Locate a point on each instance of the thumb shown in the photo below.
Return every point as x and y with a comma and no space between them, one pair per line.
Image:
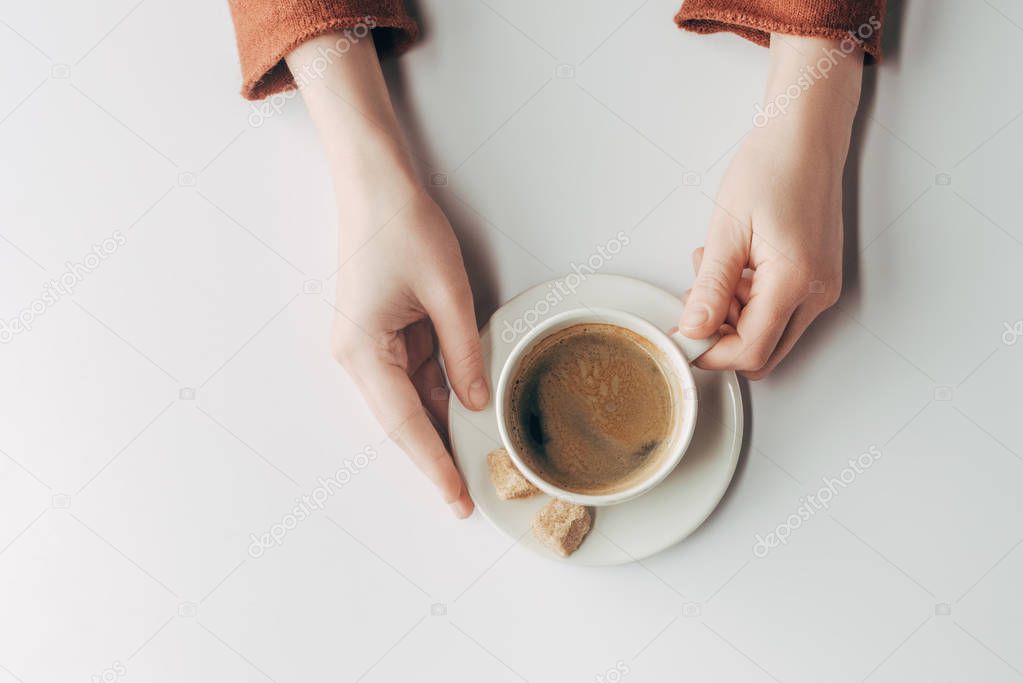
717,277
449,306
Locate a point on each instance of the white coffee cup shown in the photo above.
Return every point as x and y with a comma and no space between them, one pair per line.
677,352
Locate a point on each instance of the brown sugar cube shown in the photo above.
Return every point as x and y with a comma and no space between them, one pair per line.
562,526
508,481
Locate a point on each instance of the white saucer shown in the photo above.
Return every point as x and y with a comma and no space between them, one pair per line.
656,520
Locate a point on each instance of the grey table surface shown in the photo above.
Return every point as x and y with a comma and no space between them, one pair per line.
182,397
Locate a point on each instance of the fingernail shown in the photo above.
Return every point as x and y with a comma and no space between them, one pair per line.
479,394
461,508
695,316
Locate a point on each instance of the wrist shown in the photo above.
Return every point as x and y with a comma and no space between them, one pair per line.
372,158
372,189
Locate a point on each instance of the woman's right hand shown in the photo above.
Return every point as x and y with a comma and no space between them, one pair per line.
400,281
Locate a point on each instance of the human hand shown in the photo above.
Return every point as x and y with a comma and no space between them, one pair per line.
400,276
772,261
401,279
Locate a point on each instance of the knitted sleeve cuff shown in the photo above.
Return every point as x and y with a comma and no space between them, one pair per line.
268,30
756,20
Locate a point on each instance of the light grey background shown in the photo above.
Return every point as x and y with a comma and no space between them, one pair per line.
126,506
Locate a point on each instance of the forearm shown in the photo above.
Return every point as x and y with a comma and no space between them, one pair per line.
813,89
348,101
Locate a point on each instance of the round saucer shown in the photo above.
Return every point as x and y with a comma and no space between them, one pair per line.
638,528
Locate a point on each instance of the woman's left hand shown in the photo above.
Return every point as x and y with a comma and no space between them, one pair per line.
772,261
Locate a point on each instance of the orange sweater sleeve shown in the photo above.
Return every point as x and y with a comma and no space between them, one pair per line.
755,20
267,30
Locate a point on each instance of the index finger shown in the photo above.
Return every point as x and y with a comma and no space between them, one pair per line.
757,331
395,402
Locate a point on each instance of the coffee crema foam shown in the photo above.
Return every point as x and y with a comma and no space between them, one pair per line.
592,408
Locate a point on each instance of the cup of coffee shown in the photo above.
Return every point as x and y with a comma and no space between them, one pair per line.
597,406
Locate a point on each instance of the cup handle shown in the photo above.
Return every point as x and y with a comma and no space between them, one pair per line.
693,348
